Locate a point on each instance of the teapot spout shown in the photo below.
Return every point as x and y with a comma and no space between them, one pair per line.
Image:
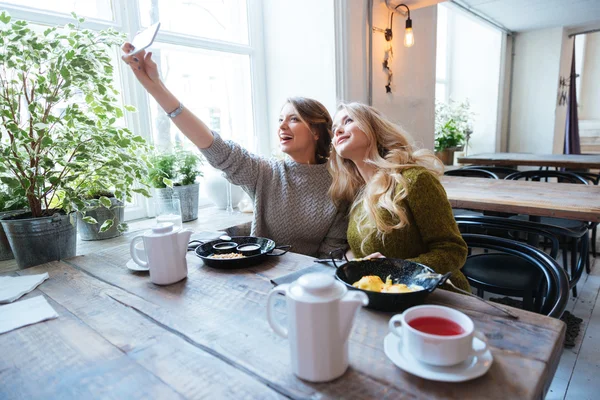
349,305
183,238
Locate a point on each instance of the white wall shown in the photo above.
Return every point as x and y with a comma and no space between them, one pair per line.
475,61
534,90
299,48
589,102
412,101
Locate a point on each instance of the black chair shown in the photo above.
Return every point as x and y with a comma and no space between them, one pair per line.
504,273
569,242
501,172
471,173
554,293
509,228
538,175
594,179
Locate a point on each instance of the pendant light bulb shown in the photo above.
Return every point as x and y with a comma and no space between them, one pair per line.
409,38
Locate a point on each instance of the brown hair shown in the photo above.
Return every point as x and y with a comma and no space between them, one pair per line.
316,116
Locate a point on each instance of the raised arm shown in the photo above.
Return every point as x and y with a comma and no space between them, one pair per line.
241,167
146,71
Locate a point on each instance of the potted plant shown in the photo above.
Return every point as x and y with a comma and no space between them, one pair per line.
59,130
103,216
175,173
452,125
10,204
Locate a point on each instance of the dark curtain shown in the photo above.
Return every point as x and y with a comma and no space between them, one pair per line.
572,145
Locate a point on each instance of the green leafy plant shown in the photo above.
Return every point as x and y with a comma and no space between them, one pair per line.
177,168
59,134
9,201
94,197
452,121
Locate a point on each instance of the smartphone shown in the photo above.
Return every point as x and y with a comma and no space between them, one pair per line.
145,38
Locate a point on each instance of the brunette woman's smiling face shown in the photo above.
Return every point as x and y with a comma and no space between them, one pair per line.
295,137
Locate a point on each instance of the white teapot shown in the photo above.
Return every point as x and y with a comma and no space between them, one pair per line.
320,312
165,251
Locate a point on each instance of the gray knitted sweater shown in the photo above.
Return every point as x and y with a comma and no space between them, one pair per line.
291,204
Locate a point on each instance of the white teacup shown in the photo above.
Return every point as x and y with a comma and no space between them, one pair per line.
140,251
436,349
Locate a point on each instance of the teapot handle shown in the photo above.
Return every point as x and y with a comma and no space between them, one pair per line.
355,295
276,326
134,256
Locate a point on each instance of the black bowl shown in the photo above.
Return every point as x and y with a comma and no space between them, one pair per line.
224,247
401,271
267,247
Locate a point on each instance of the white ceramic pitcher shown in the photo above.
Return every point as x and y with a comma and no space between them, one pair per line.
320,312
165,250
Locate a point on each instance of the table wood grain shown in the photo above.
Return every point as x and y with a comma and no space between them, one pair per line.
120,336
538,160
546,199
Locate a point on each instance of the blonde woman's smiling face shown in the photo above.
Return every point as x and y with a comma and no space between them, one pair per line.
349,141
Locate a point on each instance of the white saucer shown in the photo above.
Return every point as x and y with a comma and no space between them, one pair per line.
132,265
472,368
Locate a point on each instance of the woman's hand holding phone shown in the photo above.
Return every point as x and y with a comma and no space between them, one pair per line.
142,65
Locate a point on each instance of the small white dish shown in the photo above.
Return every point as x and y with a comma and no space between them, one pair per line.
132,265
472,368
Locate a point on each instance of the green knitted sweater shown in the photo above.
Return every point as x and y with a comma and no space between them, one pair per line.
431,237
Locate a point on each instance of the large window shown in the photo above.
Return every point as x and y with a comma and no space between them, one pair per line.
468,69
206,51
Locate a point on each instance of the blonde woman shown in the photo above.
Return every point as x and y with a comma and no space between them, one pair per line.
291,203
399,207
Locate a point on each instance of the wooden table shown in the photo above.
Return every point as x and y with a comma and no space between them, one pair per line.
546,199
120,336
539,160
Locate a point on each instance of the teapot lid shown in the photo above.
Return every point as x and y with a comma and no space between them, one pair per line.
162,229
317,287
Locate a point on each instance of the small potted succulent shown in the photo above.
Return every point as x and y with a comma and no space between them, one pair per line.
453,122
176,172
59,130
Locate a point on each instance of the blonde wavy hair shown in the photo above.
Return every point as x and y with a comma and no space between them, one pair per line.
378,200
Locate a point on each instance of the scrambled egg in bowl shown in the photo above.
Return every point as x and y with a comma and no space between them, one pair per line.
374,283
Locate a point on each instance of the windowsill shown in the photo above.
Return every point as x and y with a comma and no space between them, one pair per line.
209,219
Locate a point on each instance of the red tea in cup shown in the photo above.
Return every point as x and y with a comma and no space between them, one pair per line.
436,326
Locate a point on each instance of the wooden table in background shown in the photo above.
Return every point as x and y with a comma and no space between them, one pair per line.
120,336
545,199
537,160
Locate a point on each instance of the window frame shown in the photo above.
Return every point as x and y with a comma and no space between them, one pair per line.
127,19
450,20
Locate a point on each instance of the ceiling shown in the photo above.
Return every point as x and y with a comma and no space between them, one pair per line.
527,15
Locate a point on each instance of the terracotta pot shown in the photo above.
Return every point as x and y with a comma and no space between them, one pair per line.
447,155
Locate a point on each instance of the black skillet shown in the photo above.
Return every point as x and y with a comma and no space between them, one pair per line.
205,249
401,271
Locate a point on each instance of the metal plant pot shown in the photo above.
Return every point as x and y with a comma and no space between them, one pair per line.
101,214
188,196
36,241
5,251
